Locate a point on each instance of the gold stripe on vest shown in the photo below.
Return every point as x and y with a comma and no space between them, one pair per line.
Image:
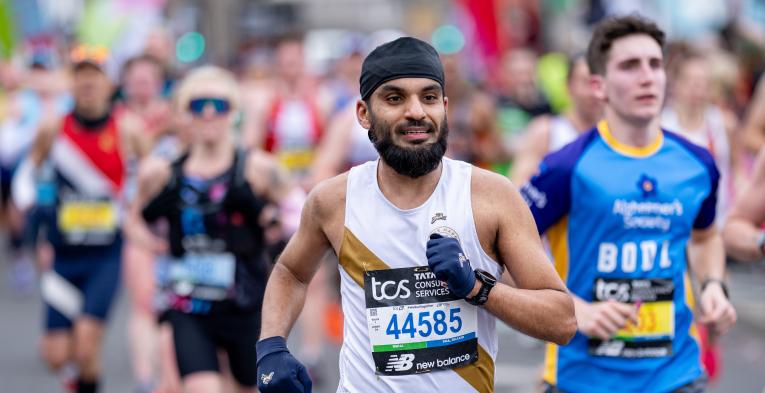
355,258
480,375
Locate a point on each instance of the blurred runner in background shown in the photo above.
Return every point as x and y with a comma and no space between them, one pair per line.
212,199
80,172
547,134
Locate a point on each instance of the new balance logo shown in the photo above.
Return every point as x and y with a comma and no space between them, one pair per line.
400,362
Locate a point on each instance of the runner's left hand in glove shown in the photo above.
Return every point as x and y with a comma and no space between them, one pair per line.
449,264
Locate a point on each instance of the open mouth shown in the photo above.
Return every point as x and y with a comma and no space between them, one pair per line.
415,135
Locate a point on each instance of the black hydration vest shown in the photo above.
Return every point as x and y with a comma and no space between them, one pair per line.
212,219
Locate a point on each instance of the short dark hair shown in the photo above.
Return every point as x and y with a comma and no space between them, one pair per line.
609,30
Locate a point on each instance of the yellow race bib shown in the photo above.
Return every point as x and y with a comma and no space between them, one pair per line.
87,217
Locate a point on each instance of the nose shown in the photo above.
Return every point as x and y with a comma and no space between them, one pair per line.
646,75
414,109
208,112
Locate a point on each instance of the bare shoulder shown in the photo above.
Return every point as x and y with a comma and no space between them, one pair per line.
324,209
490,187
328,197
266,176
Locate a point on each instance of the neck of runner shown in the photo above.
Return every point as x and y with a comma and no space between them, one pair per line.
92,117
580,121
406,192
690,117
633,132
210,155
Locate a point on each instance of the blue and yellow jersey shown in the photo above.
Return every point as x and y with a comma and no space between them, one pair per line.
618,219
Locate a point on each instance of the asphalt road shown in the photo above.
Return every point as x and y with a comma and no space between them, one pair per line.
518,366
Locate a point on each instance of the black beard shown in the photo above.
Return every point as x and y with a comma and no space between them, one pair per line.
407,161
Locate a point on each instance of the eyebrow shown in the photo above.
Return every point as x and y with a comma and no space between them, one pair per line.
390,88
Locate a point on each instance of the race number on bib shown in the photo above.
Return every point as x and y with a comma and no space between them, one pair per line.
652,335
88,222
206,276
416,324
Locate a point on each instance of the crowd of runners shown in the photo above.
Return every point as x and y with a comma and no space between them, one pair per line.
232,206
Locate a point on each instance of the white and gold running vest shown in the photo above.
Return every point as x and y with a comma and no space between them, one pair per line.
404,331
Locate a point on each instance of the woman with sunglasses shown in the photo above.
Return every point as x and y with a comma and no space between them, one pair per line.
212,199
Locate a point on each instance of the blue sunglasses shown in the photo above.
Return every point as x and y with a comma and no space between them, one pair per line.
220,105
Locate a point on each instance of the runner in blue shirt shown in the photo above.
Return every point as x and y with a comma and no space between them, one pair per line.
624,207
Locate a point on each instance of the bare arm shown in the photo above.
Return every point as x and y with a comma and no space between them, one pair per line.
334,146
268,178
540,306
286,289
153,174
43,142
754,122
534,147
706,257
742,229
706,254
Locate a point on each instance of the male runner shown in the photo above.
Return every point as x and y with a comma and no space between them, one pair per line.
86,151
419,245
743,233
547,133
624,206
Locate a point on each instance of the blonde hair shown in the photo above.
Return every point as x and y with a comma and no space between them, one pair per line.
208,75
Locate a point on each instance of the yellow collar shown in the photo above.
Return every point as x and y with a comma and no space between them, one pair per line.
627,150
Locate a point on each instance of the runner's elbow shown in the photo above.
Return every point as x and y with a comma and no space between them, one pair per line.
566,330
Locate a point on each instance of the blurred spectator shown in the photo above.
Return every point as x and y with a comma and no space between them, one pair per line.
519,99
473,136
548,133
691,113
38,92
288,120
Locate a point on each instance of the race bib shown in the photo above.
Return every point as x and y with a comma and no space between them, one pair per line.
652,335
416,324
88,222
296,159
207,276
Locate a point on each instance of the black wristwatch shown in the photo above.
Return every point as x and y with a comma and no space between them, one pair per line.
722,285
487,283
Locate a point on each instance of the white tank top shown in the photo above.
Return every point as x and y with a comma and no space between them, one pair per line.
391,300
562,132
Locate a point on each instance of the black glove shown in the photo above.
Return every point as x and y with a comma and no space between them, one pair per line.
278,370
449,264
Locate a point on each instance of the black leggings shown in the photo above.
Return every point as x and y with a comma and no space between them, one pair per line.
198,337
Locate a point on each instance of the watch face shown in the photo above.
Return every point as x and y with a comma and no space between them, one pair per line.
485,276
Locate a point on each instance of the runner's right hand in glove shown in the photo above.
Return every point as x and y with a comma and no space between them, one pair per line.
278,370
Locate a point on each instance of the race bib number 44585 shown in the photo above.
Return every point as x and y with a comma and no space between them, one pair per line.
416,324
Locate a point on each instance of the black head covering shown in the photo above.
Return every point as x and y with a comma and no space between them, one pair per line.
405,57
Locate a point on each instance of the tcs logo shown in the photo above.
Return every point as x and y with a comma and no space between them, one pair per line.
387,293
605,290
